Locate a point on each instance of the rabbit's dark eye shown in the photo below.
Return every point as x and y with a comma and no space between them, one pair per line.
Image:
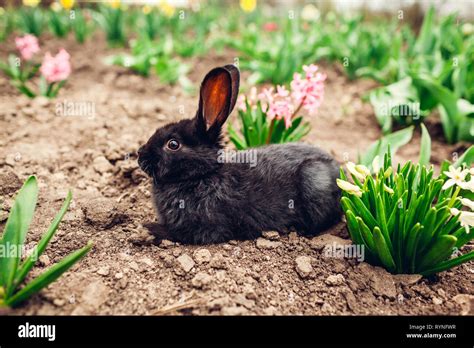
173,145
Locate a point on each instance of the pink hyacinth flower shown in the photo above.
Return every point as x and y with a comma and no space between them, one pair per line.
27,45
270,26
56,68
309,88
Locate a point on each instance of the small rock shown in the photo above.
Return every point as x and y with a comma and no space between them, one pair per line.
243,301
267,244
466,301
118,275
437,300
219,262
327,308
168,260
44,260
104,271
166,244
381,281
271,235
185,262
59,302
101,165
270,311
201,280
28,111
41,101
147,263
123,283
9,182
400,298
176,252
319,242
234,310
407,279
303,266
93,296
102,212
202,256
334,280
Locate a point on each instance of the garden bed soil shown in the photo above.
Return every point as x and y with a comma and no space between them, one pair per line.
126,272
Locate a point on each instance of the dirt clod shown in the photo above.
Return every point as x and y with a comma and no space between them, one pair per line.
202,256
334,280
267,244
303,266
185,262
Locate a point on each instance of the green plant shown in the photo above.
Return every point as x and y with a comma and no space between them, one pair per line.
59,22
408,220
275,117
391,141
81,25
257,130
435,72
147,54
6,23
275,56
151,22
111,20
366,49
20,73
13,270
31,20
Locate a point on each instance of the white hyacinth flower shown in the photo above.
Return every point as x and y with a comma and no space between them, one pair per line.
456,177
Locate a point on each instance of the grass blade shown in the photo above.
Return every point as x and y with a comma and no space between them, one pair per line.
48,276
383,251
425,148
441,250
445,265
43,243
9,264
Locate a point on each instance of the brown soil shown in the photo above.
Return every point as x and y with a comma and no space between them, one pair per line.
126,273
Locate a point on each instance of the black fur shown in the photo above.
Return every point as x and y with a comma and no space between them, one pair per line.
200,200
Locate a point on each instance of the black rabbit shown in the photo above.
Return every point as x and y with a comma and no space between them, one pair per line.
201,199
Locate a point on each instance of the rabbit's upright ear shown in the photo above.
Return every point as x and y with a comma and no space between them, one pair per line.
218,95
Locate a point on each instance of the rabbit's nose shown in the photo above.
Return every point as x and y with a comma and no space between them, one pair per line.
141,149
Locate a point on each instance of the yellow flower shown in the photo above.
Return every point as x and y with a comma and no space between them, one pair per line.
349,188
248,5
167,8
146,9
114,3
31,3
67,4
2,11
55,6
310,13
467,29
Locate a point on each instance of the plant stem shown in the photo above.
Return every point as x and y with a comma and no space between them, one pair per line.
270,131
453,198
298,108
272,125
